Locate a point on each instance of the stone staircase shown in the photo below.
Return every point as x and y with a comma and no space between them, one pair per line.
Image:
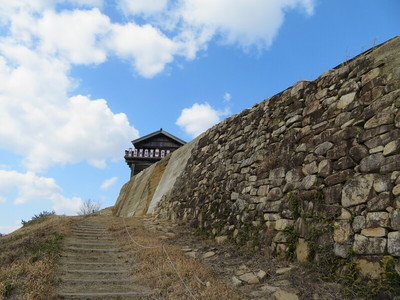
92,266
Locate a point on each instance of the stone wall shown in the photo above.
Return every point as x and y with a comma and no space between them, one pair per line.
315,167
311,171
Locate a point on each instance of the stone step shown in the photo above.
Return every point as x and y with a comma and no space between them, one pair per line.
91,263
88,258
79,280
98,271
89,231
83,239
92,249
78,244
103,295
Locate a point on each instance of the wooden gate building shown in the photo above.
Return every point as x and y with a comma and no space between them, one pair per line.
149,149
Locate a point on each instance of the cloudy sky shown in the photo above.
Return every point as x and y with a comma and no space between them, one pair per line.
79,79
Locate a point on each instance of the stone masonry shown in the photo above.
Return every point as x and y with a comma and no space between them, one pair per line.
309,172
315,167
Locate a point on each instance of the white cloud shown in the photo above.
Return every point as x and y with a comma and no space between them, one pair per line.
130,7
39,122
198,118
243,22
108,183
227,97
31,187
80,41
2,199
146,46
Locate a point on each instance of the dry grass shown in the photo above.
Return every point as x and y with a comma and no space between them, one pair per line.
153,269
28,259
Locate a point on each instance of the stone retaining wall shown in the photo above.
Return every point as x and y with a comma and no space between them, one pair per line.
312,169
309,172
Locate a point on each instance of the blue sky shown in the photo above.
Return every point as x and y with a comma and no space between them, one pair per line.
79,79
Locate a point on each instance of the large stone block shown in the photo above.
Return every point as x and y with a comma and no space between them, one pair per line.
392,147
342,231
358,152
325,168
323,148
369,246
358,223
302,250
374,232
394,243
395,219
346,100
357,190
377,219
381,118
339,177
380,202
308,182
333,194
371,163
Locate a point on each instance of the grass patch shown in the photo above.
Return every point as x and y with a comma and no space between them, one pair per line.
152,268
28,258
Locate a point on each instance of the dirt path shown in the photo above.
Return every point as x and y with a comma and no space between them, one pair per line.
93,266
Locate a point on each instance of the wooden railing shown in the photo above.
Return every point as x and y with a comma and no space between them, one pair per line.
151,153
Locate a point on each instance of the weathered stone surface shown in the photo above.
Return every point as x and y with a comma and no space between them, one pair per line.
294,175
209,254
374,232
392,148
281,224
277,173
395,219
342,231
358,152
394,243
365,245
380,202
302,250
249,278
333,194
283,295
396,190
341,250
325,168
358,223
310,168
382,183
376,150
357,190
381,118
371,163
261,274
390,164
344,163
377,219
323,148
236,281
345,100
370,75
344,215
309,181
372,269
274,194
339,177
221,239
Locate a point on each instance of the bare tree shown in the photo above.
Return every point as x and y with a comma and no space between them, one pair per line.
88,207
